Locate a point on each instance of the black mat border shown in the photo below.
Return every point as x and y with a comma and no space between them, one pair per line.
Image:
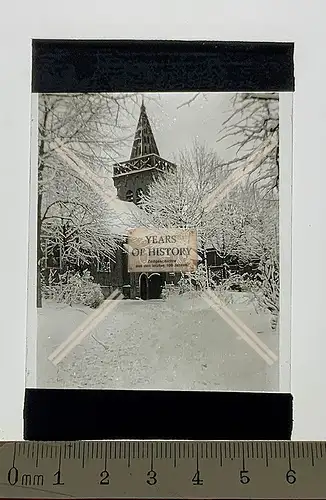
161,66
94,414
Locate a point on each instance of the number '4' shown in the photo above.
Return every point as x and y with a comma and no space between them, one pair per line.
196,480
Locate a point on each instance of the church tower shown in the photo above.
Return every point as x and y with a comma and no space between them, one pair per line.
133,177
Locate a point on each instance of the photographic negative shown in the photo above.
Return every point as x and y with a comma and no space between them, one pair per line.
158,240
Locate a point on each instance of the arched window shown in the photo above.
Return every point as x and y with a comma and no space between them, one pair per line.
129,196
139,194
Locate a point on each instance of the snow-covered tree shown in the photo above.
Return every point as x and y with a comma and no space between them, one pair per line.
241,226
253,129
245,204
252,126
177,198
266,285
249,231
78,137
246,223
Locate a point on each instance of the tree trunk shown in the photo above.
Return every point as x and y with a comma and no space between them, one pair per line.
41,151
206,267
39,252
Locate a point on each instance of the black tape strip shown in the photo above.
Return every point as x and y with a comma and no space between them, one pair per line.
170,66
82,414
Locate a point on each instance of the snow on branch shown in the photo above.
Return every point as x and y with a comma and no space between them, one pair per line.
254,120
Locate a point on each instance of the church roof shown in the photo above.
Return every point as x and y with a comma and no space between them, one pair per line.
144,141
124,216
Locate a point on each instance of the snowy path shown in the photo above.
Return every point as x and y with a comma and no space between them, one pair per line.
177,344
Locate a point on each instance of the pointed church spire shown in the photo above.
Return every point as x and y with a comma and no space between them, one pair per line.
144,141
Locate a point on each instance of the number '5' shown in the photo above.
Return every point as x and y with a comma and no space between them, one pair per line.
244,479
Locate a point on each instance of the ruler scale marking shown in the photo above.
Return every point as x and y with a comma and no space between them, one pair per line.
289,456
14,455
105,456
37,454
312,455
317,452
243,457
83,455
174,453
152,457
129,455
300,447
266,454
239,450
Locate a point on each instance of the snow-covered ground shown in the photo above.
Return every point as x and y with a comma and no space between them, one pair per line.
178,343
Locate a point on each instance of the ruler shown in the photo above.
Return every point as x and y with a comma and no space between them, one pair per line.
163,470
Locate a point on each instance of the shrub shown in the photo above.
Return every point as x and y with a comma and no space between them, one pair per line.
76,288
264,286
195,281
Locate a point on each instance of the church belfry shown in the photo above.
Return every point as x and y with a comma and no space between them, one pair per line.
133,177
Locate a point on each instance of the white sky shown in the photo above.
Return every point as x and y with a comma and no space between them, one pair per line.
176,129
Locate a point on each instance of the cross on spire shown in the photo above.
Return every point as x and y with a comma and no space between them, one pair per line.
144,141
